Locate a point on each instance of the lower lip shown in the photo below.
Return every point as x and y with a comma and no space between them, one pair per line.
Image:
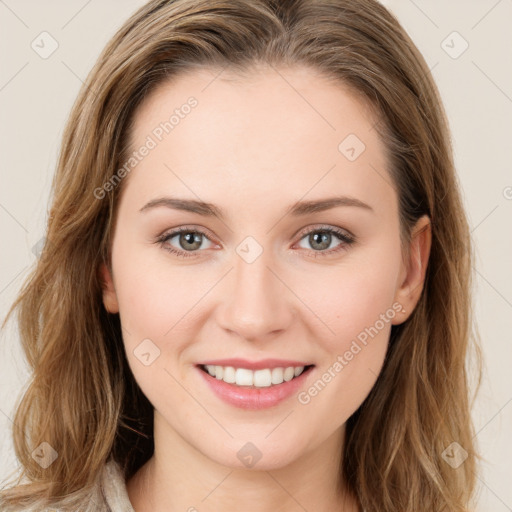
254,398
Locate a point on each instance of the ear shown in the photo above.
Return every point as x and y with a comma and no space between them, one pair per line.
414,267
109,293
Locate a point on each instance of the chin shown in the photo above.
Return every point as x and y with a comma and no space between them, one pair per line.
258,454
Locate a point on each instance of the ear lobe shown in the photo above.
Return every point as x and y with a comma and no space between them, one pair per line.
109,293
412,276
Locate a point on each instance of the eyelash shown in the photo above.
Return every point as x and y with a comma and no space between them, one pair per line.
342,235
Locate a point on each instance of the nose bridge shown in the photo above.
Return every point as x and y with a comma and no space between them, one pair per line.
256,302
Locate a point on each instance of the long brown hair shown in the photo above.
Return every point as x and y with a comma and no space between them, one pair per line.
83,400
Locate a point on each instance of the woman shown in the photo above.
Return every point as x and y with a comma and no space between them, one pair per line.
255,289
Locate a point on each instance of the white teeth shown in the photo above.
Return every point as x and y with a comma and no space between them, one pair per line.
258,378
244,377
229,375
219,372
277,375
262,378
289,373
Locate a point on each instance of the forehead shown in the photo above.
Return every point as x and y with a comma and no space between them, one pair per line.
264,95
265,134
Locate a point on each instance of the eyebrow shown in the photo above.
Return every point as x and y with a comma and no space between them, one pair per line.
298,209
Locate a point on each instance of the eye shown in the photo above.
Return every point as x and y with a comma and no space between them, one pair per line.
322,238
188,240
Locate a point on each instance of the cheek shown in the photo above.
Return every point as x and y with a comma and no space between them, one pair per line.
355,297
153,295
357,305
154,307
158,304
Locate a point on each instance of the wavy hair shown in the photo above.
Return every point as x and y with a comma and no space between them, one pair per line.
82,398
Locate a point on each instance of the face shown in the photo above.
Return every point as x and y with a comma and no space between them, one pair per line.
294,261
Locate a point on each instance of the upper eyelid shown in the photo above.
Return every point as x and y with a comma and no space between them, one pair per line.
171,233
309,229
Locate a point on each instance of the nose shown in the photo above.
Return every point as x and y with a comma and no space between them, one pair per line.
257,301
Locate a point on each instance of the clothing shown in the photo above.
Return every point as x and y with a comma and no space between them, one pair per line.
107,494
114,489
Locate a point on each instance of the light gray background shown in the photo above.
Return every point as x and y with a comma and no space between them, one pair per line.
36,95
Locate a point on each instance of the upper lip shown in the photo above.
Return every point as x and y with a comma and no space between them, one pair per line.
255,365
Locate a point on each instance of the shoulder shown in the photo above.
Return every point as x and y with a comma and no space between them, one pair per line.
108,494
113,487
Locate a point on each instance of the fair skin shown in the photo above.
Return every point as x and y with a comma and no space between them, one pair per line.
254,146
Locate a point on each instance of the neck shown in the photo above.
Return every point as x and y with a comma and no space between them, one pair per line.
180,478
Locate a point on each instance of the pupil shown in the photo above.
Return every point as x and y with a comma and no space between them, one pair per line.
192,238
324,237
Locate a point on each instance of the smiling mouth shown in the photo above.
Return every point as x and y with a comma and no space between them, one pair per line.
264,378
